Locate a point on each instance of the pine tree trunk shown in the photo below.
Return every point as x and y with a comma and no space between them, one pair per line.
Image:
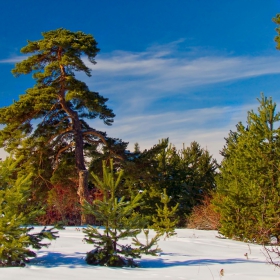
83,172
79,158
83,193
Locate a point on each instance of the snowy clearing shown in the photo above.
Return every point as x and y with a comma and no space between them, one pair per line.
191,255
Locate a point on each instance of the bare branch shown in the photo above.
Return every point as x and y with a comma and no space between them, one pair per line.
95,133
92,141
103,139
60,135
50,112
268,254
65,118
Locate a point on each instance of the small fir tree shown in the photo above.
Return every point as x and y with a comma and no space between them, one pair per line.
15,237
119,219
164,222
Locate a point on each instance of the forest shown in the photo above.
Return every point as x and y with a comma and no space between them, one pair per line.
63,172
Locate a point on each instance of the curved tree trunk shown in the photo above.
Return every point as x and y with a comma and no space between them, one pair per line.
79,145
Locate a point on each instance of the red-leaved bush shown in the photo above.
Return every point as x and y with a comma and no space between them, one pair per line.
62,206
204,216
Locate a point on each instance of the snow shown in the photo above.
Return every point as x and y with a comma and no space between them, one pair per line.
191,255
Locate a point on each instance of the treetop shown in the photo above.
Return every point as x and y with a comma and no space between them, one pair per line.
63,44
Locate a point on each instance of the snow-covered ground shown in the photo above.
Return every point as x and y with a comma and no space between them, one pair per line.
192,255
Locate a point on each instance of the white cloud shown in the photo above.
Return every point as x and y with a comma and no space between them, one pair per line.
134,79
166,72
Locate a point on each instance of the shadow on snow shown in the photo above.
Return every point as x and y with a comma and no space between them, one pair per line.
196,262
56,259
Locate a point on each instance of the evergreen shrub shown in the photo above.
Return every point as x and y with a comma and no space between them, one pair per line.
120,220
17,238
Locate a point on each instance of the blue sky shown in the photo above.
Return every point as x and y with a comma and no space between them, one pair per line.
184,69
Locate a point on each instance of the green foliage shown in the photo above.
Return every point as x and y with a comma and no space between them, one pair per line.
248,186
150,247
119,219
187,175
15,213
140,173
164,222
277,38
136,148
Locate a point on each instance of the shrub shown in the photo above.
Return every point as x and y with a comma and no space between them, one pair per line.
204,216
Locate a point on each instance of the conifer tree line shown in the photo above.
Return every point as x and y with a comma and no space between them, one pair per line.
47,129
47,134
63,171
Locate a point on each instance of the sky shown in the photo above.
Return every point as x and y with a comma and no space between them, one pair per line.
188,70
190,255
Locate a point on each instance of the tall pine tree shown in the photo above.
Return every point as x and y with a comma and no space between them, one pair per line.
48,121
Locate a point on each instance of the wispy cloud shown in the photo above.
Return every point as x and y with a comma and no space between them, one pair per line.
144,77
13,60
188,71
